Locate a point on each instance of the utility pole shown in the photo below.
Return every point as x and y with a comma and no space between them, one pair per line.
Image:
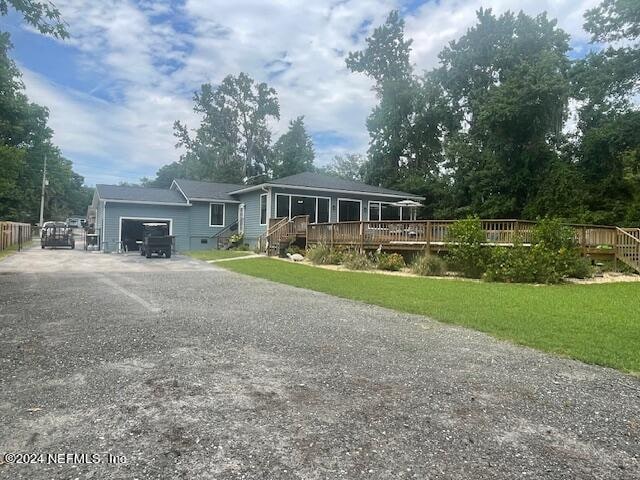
44,183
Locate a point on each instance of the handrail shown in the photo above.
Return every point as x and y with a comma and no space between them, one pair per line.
227,228
627,248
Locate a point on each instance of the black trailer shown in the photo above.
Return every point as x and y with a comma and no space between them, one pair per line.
57,234
156,239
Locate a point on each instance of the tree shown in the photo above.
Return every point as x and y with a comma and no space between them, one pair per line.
233,141
350,166
293,152
44,16
25,139
507,84
606,83
165,175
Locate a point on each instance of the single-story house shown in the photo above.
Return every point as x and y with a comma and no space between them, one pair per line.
196,212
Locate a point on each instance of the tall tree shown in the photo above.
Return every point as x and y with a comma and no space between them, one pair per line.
232,143
293,152
607,82
507,84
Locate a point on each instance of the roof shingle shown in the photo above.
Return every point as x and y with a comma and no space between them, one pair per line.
207,190
139,194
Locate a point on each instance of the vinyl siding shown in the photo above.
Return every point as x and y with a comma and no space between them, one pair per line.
114,211
199,224
252,227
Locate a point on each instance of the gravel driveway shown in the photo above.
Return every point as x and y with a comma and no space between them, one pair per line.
179,369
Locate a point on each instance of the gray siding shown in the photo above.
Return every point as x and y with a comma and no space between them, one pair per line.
199,224
252,227
179,217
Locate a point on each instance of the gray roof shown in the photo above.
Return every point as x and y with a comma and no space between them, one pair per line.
329,182
139,194
207,190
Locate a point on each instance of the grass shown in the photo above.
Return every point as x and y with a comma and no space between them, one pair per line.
598,324
217,254
14,248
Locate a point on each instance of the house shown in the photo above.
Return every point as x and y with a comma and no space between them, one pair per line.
198,213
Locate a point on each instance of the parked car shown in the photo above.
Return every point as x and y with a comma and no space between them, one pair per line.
156,239
75,222
57,234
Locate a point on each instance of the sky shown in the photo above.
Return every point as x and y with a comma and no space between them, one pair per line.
130,68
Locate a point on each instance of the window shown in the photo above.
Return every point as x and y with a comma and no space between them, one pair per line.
323,210
216,214
349,210
389,212
383,211
293,205
374,211
263,209
282,206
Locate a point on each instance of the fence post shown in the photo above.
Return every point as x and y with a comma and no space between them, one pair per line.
429,236
583,240
362,237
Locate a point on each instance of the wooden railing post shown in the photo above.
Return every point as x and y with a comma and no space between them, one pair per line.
361,237
428,239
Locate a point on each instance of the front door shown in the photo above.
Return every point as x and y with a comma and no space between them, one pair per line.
241,218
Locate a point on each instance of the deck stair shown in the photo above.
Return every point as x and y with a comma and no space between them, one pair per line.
628,247
282,232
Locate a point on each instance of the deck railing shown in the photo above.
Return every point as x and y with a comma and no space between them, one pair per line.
436,232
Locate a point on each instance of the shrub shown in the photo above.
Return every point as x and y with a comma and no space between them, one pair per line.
466,252
552,257
581,268
322,254
390,261
355,260
427,264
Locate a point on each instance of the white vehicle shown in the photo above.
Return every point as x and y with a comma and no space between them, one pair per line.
75,222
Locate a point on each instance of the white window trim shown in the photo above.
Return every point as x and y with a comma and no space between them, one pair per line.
348,200
224,214
380,203
266,207
303,196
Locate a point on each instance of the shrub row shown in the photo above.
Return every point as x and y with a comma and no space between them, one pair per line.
552,256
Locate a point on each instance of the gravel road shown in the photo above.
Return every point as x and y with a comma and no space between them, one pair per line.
179,369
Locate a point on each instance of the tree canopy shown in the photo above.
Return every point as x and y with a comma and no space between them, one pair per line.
25,138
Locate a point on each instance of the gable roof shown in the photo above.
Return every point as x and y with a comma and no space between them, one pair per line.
196,190
320,181
121,193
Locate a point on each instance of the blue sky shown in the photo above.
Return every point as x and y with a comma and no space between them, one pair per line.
130,68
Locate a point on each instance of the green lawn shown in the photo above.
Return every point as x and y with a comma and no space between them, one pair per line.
597,324
216,254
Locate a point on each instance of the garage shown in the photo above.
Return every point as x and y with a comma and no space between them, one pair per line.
131,230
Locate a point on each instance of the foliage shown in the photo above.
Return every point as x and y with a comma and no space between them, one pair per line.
390,261
44,16
428,265
293,152
236,238
350,167
232,143
466,253
552,257
25,139
355,260
322,254
586,322
405,127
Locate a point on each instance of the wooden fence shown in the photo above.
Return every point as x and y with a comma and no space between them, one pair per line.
14,233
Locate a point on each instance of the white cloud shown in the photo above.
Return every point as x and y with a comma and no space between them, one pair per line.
151,56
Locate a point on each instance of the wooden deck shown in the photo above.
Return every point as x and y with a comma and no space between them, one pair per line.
433,235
